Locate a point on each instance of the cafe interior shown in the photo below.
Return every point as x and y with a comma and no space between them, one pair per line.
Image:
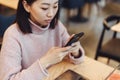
100,22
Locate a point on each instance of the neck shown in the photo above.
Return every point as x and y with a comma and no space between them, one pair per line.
44,26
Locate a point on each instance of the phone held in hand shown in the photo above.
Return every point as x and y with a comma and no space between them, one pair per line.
75,38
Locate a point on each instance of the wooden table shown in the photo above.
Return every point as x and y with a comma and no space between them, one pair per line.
9,3
90,68
116,27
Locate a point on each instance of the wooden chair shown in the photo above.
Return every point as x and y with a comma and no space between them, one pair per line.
110,48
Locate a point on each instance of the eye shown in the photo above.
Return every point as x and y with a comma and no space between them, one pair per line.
44,8
55,7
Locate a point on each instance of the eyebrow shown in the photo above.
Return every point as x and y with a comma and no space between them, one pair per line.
49,4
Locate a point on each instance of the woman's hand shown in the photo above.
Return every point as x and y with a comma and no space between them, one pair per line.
75,50
53,56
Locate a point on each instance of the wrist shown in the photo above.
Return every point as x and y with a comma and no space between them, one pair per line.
44,70
44,63
79,54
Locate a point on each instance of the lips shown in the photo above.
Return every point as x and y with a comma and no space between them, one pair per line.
48,21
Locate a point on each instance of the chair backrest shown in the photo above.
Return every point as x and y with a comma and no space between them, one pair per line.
5,22
107,24
109,19
114,19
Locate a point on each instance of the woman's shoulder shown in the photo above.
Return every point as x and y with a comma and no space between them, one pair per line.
60,28
60,25
13,30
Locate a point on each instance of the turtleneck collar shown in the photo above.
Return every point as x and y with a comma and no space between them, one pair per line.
36,29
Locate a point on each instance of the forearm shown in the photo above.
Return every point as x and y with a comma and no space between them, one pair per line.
79,57
34,72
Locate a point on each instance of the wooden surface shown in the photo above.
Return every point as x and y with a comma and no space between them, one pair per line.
116,27
90,68
9,3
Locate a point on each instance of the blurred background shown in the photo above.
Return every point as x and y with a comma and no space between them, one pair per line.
87,18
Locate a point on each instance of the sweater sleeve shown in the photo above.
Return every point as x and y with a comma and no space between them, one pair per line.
10,62
80,59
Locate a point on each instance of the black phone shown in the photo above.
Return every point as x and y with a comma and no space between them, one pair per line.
75,38
71,75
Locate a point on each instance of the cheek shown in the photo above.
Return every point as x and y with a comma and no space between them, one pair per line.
38,14
55,12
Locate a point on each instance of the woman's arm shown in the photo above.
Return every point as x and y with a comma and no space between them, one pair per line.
11,67
77,54
80,51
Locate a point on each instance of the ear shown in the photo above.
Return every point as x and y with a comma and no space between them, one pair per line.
26,6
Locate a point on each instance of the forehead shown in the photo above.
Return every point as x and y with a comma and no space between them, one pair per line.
46,1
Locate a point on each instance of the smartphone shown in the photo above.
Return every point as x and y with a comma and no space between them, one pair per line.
75,38
71,75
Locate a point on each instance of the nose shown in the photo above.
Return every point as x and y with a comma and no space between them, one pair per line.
50,13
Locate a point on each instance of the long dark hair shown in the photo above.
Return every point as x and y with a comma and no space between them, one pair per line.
22,17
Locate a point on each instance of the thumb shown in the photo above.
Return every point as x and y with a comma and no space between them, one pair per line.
70,37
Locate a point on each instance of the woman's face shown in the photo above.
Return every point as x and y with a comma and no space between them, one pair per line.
43,11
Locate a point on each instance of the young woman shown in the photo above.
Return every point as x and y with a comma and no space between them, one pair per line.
35,42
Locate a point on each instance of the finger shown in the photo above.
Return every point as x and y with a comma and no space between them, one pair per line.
55,47
70,37
64,54
64,49
74,48
76,43
71,49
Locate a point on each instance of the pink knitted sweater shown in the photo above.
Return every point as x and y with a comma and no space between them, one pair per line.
20,53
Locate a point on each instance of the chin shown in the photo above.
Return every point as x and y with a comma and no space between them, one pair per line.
44,25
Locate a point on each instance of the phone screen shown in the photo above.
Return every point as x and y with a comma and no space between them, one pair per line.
70,75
